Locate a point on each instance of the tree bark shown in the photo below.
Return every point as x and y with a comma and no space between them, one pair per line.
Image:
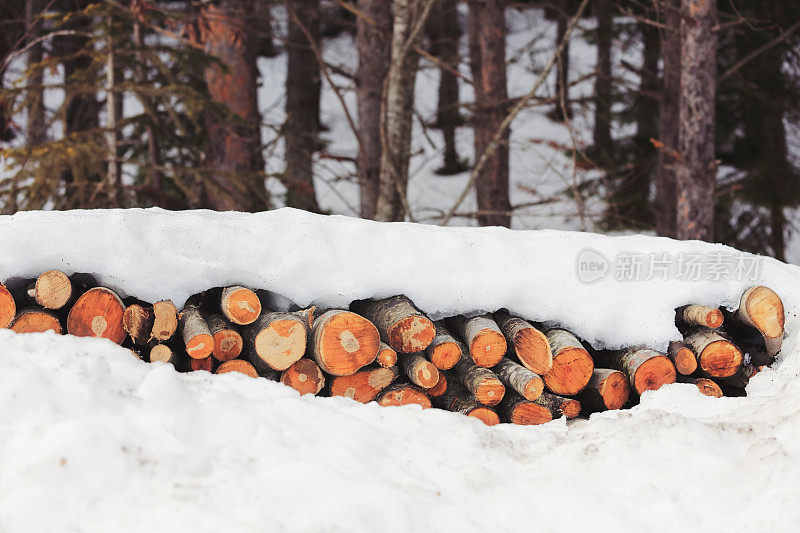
374,49
666,204
396,116
302,103
515,409
37,126
700,315
444,33
603,80
696,174
559,406
197,337
234,142
488,41
562,107
459,400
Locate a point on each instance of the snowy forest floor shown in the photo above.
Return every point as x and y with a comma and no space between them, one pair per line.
94,440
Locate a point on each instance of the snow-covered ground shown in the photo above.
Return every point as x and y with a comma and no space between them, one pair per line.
92,439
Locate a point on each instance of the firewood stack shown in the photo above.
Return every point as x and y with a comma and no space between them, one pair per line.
494,367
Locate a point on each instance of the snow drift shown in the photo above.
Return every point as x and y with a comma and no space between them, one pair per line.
94,440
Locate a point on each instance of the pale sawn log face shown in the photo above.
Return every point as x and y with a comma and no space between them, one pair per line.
137,321
165,321
760,307
279,339
53,289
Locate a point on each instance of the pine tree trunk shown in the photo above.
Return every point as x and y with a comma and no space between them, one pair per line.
234,143
491,105
444,34
374,49
696,174
666,204
302,103
602,85
396,116
562,105
113,178
37,128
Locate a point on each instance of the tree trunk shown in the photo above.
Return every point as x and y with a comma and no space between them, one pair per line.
113,177
263,16
562,107
603,80
396,116
444,34
234,142
696,175
666,204
572,365
374,48
302,103
37,126
487,21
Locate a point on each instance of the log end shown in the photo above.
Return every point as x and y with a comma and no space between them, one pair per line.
490,391
165,321
138,322
485,415
206,363
714,318
98,313
720,359
571,371
8,308
488,347
530,414
533,388
304,376
53,289
533,350
162,353
765,309
426,375
615,390
445,355
654,373
685,360
200,346
282,343
571,407
404,395
228,344
708,387
241,306
387,357
237,365
411,334
440,388
346,343
36,322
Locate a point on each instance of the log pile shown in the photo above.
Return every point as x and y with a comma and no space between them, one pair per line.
496,367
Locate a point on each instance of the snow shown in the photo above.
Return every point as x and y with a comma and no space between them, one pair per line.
96,440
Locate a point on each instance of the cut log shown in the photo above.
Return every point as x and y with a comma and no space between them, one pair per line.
485,341
530,344
559,406
700,315
236,365
402,326
514,409
519,378
419,370
53,289
445,350
459,400
646,369
228,342
162,353
441,386
387,357
206,363
365,385
97,313
607,390
343,342
263,369
304,376
761,308
36,321
137,321
279,339
8,307
717,357
572,365
197,337
240,305
479,381
165,320
682,357
705,386
403,394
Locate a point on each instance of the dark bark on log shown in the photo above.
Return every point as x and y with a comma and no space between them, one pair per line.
137,321
459,400
740,379
572,365
699,315
530,345
402,326
374,46
559,406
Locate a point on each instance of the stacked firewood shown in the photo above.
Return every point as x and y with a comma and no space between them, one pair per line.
495,367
